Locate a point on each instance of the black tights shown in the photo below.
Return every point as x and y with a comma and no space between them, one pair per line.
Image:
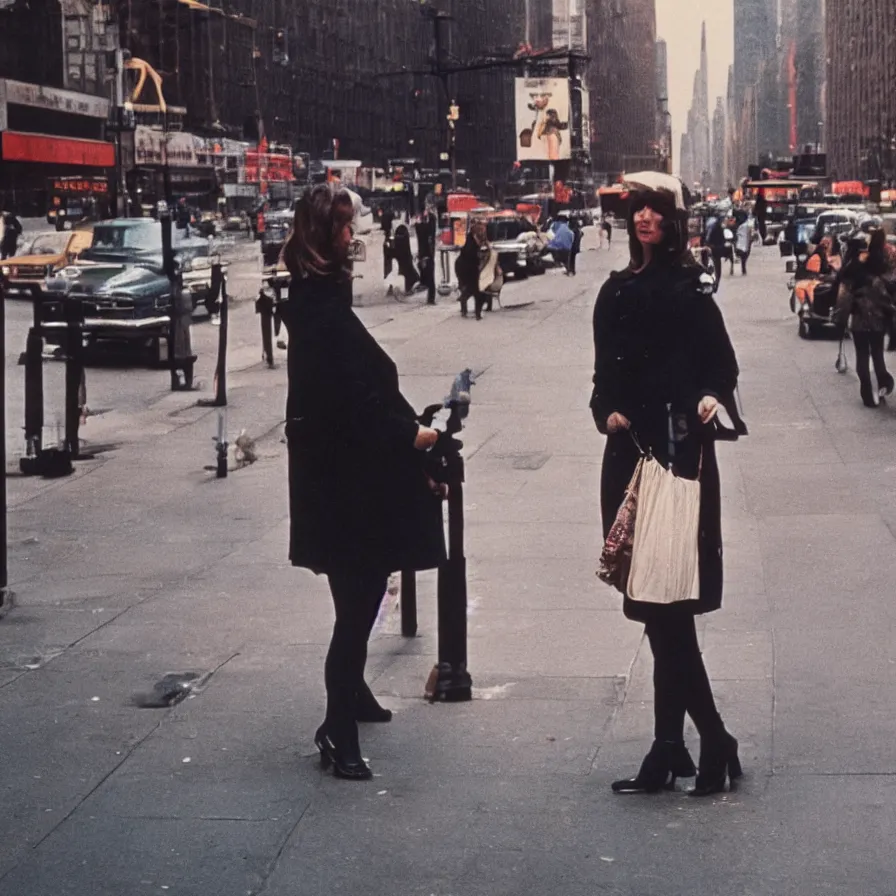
870,350
680,682
357,596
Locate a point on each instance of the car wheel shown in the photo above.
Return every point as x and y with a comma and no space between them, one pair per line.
806,330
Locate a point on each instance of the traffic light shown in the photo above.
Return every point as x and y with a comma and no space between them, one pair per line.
281,46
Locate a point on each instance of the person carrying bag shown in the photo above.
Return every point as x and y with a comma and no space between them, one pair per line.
664,368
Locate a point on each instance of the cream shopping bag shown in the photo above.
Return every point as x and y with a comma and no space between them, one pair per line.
664,566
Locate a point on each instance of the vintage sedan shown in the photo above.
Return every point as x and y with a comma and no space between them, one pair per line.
121,282
519,245
25,274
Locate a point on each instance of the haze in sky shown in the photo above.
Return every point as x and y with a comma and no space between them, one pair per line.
678,22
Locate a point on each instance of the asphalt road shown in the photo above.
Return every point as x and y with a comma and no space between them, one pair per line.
142,564
122,380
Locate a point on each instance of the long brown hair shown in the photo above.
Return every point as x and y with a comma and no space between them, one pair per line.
313,248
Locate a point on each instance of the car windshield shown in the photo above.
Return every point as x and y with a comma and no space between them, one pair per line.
136,238
505,230
47,244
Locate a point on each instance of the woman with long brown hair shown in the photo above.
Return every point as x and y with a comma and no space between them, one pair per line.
361,502
663,366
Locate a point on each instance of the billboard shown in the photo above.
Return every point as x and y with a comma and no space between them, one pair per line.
542,119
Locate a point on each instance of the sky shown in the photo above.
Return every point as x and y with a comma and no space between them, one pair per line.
678,22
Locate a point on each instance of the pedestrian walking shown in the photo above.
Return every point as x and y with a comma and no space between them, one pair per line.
425,228
476,270
561,244
664,363
576,228
715,239
607,228
182,216
361,502
744,241
10,231
865,303
760,212
401,252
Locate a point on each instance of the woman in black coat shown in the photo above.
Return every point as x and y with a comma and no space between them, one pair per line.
361,502
663,365
401,249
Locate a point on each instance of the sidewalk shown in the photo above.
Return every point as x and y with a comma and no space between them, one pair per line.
143,564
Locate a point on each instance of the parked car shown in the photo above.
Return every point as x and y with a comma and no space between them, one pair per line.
518,244
43,256
121,280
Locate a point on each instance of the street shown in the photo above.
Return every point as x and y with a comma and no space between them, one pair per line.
143,564
121,382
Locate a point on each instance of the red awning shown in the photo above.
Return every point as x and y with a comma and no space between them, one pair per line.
18,147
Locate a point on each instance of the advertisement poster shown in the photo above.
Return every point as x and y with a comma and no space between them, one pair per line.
542,119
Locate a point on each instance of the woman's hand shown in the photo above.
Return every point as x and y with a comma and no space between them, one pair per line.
426,438
708,408
439,489
617,422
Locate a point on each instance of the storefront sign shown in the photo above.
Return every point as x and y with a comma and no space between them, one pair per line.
176,148
18,147
240,191
54,100
79,185
268,167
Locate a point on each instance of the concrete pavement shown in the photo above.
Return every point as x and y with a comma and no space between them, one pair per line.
142,564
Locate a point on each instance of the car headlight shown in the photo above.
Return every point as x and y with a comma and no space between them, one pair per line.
6,270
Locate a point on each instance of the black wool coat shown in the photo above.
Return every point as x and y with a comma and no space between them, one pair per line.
358,494
660,346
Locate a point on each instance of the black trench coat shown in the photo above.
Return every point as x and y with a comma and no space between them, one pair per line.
358,494
660,346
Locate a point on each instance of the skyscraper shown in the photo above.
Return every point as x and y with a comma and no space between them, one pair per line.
719,177
621,75
698,169
861,103
810,72
663,116
755,28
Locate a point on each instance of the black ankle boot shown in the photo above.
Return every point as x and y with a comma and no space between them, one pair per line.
666,761
719,763
368,707
340,749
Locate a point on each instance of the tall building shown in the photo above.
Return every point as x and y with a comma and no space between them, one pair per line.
697,170
755,29
621,77
332,70
810,73
757,78
719,176
861,103
664,116
54,97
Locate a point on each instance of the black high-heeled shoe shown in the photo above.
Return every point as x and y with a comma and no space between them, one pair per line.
368,708
666,761
719,763
343,754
